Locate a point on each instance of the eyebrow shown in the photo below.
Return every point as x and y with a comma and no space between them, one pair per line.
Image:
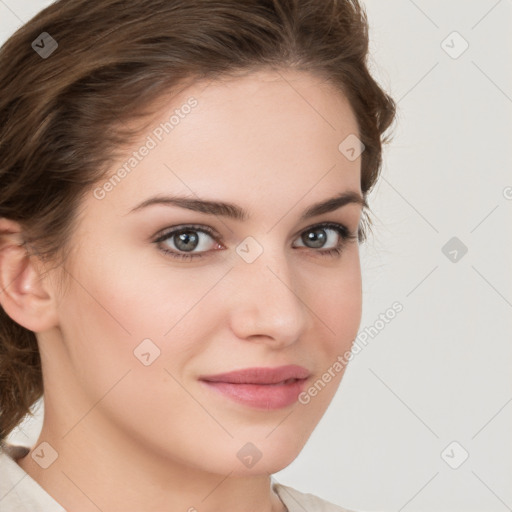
236,212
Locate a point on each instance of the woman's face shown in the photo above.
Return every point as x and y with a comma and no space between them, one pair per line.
139,327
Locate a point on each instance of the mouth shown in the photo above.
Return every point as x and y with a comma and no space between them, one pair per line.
260,388
260,375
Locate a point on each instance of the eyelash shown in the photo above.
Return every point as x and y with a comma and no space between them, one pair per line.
342,230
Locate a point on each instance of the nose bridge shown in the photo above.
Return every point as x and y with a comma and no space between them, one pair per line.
267,299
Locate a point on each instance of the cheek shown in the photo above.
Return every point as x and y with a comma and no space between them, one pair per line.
116,305
339,308
338,305
113,325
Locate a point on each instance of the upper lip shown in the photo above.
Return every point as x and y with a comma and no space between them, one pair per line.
260,375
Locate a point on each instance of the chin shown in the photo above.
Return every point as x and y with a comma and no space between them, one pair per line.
263,467
250,456
273,452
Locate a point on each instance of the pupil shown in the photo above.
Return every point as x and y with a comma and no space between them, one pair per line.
186,241
317,237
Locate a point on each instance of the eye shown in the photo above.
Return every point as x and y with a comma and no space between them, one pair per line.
185,240
316,237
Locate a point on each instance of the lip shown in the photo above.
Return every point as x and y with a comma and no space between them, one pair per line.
261,387
260,375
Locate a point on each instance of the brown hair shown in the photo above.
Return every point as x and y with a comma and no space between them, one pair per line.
64,115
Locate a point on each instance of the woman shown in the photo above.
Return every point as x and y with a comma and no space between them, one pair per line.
184,189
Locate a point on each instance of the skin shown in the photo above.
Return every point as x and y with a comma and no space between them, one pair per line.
133,437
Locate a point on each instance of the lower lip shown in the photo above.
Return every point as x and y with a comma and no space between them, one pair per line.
260,396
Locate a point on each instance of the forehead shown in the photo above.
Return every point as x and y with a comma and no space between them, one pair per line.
262,102
265,133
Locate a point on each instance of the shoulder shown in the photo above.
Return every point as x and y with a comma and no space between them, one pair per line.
19,492
296,501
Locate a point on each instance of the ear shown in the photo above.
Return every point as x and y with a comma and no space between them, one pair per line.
24,295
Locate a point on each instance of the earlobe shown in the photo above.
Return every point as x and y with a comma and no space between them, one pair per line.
23,295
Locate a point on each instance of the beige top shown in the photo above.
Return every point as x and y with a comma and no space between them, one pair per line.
19,492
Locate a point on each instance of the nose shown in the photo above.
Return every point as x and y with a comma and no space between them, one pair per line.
268,303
